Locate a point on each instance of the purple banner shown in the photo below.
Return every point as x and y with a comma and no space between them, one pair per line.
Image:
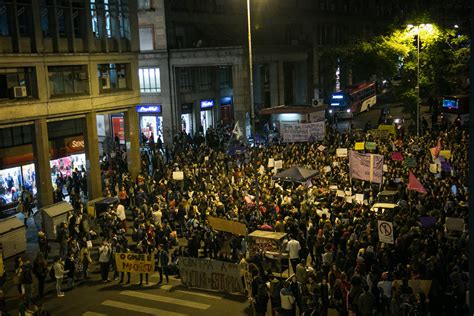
367,167
427,221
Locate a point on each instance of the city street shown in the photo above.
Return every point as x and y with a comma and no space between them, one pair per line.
97,298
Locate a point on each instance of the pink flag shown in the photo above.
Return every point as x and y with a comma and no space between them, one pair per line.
414,184
435,150
397,156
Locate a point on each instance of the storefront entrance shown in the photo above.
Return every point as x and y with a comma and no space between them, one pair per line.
207,114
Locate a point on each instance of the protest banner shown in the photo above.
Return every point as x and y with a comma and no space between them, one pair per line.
271,162
341,152
359,146
225,225
178,175
135,262
410,162
397,156
389,128
278,164
370,145
340,193
210,275
385,230
454,224
446,154
359,198
379,134
303,132
368,167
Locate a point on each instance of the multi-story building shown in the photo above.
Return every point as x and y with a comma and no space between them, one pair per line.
66,68
194,56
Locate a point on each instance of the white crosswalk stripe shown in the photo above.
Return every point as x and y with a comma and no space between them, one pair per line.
214,297
165,299
93,314
139,308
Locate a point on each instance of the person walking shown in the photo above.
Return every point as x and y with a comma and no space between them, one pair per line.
27,281
40,269
104,260
17,276
59,272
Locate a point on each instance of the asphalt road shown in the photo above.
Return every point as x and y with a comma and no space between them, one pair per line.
94,298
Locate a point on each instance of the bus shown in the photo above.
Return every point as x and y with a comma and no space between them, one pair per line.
353,99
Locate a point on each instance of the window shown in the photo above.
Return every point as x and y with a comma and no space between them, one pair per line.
17,77
225,77
24,19
146,38
44,19
144,4
94,19
67,80
149,80
108,19
78,17
4,29
204,78
113,77
185,80
123,19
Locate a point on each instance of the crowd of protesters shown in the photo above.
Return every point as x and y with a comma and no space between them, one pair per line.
337,260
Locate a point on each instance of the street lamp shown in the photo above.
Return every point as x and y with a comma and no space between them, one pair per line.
252,108
418,101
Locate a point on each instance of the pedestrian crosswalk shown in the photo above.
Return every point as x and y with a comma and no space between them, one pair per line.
167,300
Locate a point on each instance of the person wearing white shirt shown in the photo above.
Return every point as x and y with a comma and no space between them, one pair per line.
157,215
293,247
122,216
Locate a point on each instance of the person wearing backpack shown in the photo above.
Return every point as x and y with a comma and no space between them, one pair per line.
287,300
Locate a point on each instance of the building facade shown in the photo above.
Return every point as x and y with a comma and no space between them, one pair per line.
194,56
68,82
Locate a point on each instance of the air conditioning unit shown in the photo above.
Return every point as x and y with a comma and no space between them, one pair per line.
18,92
317,102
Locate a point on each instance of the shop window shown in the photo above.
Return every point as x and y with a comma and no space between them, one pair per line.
17,83
146,38
224,74
149,80
113,77
67,80
204,78
185,80
4,29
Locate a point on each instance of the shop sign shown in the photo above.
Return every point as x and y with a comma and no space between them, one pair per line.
149,108
207,104
75,144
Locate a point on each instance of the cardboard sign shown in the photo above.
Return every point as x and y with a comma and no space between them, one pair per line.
385,168
385,230
321,148
327,169
454,224
389,128
178,175
359,146
210,275
416,285
379,134
370,145
225,225
340,193
135,262
271,163
278,164
341,152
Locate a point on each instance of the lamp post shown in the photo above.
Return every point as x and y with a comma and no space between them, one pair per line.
252,109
